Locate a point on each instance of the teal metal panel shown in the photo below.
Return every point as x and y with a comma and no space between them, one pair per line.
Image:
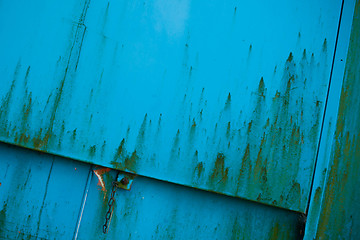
41,197
40,194
334,209
221,96
154,209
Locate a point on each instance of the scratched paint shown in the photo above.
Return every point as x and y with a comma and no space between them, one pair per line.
235,114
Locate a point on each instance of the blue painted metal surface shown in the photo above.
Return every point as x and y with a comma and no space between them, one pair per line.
158,210
225,97
41,196
334,208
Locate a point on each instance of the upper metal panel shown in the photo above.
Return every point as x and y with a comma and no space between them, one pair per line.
223,96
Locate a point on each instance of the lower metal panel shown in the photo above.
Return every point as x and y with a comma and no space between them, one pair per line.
41,196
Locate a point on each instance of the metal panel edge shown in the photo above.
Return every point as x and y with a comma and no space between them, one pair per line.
321,176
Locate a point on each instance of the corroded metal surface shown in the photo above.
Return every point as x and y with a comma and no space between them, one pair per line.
337,202
204,94
159,210
41,196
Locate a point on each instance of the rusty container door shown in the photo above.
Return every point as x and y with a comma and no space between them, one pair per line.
227,97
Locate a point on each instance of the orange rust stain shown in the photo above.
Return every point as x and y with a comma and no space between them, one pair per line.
194,123
99,174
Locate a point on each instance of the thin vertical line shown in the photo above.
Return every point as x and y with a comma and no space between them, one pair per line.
44,198
83,203
326,104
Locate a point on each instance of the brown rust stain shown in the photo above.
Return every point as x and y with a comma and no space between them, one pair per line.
4,108
123,160
237,231
175,150
43,137
280,232
324,47
103,147
228,102
294,195
275,133
290,58
342,182
317,196
141,135
261,88
245,163
228,130
92,151
219,174
120,150
192,131
274,233
259,160
249,126
199,169
131,162
41,141
3,218
26,111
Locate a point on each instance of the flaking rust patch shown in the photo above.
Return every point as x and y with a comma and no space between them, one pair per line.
99,174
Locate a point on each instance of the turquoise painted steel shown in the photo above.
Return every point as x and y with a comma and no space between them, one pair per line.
334,208
41,196
222,96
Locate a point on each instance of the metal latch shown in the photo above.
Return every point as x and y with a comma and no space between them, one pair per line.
123,181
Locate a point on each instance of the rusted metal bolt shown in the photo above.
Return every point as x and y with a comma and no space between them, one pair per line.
124,181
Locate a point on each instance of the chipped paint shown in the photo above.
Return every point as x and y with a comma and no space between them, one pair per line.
99,174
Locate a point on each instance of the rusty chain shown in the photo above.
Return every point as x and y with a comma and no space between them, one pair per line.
111,208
